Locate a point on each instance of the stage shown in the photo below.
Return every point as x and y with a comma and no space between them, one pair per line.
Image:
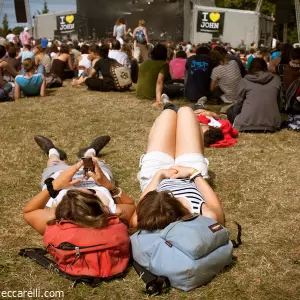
164,19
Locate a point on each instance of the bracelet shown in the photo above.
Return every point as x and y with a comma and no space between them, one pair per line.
114,191
52,192
195,174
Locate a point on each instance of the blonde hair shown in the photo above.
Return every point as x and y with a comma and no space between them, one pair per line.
142,22
28,64
39,49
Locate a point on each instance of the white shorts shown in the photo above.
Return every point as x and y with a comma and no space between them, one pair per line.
152,162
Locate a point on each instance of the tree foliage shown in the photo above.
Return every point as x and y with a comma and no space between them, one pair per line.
267,8
18,29
5,25
45,9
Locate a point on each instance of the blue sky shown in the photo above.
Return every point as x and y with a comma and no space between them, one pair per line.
7,6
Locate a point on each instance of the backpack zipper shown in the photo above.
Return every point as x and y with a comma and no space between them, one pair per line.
69,246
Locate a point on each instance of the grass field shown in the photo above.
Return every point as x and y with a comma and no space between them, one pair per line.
257,182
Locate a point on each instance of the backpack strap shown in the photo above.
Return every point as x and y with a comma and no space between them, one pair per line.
154,284
236,243
39,255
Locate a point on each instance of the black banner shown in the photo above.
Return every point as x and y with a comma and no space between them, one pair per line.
66,23
211,22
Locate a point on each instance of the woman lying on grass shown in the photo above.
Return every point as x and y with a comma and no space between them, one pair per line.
173,173
68,194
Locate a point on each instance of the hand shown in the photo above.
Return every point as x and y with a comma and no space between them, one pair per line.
182,172
99,176
167,173
64,180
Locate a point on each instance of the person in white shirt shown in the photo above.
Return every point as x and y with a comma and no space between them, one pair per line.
120,57
10,36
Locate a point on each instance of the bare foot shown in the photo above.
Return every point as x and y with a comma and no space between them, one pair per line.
155,104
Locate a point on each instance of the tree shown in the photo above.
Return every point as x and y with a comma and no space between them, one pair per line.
45,9
267,8
5,25
17,30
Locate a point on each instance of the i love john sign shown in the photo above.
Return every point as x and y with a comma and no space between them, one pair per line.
211,22
66,23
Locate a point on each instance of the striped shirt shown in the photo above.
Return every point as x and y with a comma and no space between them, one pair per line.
228,77
183,188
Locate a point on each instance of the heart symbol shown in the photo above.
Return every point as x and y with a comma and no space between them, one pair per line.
214,17
70,19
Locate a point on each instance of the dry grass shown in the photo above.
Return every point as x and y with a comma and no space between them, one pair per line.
257,181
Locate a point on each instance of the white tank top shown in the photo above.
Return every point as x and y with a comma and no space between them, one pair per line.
85,62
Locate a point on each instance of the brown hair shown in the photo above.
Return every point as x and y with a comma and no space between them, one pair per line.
28,65
212,136
83,209
127,48
159,209
120,21
27,46
40,49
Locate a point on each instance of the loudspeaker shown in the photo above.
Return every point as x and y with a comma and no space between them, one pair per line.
20,11
283,11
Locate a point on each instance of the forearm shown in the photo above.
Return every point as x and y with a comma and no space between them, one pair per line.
37,202
159,89
152,186
211,200
124,199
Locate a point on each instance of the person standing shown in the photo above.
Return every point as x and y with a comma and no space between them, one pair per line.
25,37
44,42
141,41
120,30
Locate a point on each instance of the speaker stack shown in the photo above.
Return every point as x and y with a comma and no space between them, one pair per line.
20,11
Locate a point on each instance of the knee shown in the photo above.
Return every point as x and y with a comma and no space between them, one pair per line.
185,110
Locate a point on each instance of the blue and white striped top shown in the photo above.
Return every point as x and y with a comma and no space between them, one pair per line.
183,188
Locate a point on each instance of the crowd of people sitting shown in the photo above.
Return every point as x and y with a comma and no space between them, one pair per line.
255,84
254,87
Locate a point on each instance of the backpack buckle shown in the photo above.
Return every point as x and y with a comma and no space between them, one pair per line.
77,249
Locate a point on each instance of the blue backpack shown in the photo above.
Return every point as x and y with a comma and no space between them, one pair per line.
140,36
186,254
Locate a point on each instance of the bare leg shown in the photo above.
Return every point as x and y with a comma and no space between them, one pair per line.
189,136
162,136
54,158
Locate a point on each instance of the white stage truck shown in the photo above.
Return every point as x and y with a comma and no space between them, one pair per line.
56,25
205,23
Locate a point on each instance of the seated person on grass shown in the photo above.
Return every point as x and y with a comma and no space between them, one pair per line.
62,65
152,74
173,172
101,79
5,68
26,53
256,107
31,84
197,77
83,199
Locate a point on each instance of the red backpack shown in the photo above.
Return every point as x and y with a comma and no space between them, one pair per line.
89,252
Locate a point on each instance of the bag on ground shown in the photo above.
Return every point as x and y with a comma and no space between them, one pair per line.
121,76
188,252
